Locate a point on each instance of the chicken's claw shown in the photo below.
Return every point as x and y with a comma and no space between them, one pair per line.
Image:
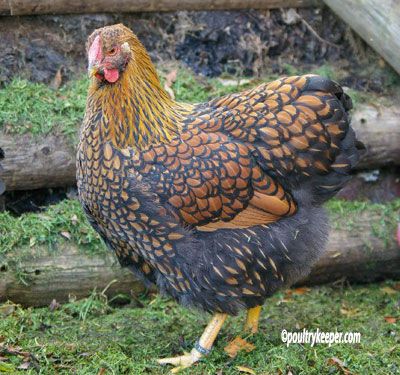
181,362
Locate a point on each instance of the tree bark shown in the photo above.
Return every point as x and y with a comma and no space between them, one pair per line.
50,161
353,253
377,22
32,7
64,274
33,163
379,129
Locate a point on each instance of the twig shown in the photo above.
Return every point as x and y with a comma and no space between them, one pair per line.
322,40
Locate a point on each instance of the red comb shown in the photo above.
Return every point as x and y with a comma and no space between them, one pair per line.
94,54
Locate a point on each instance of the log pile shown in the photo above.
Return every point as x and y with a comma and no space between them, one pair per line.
50,161
353,253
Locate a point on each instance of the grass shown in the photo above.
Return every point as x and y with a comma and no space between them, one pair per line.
66,220
344,214
84,337
35,234
194,89
35,108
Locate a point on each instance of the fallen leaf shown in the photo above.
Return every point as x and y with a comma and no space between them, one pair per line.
237,345
66,235
388,290
300,291
245,369
390,319
32,241
233,82
346,311
24,366
170,78
54,305
7,309
396,286
290,16
102,371
285,300
57,80
74,219
339,364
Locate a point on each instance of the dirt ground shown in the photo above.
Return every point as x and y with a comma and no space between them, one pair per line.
211,43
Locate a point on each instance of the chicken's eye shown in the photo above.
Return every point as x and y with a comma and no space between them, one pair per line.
112,52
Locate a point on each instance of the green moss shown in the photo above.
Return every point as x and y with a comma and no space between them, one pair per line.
195,89
84,336
46,228
38,109
61,221
344,214
26,235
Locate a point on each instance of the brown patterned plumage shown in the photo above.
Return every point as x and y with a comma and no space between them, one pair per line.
217,203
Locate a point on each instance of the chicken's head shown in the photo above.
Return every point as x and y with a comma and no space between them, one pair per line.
109,52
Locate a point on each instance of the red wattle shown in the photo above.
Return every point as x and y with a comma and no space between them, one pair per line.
111,75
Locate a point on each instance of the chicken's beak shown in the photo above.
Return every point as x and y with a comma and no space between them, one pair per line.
92,71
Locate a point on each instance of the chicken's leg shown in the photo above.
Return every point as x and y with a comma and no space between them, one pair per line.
202,347
253,316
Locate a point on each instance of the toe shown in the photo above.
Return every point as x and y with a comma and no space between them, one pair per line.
182,361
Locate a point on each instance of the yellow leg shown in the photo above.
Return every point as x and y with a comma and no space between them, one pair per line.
253,316
204,345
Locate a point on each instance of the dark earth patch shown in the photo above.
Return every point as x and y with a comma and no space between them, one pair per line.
211,43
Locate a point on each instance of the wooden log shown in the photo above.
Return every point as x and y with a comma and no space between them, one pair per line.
377,22
33,7
379,129
356,255
353,253
33,163
64,274
5,8
50,161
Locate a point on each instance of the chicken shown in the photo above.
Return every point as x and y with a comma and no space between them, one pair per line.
219,203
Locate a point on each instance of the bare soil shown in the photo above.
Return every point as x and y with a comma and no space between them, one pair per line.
211,43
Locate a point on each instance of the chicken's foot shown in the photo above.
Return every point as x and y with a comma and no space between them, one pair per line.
202,347
252,319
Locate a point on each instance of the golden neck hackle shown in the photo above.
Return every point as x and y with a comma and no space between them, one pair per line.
135,111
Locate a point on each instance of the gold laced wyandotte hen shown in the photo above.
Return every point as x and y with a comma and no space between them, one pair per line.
218,203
